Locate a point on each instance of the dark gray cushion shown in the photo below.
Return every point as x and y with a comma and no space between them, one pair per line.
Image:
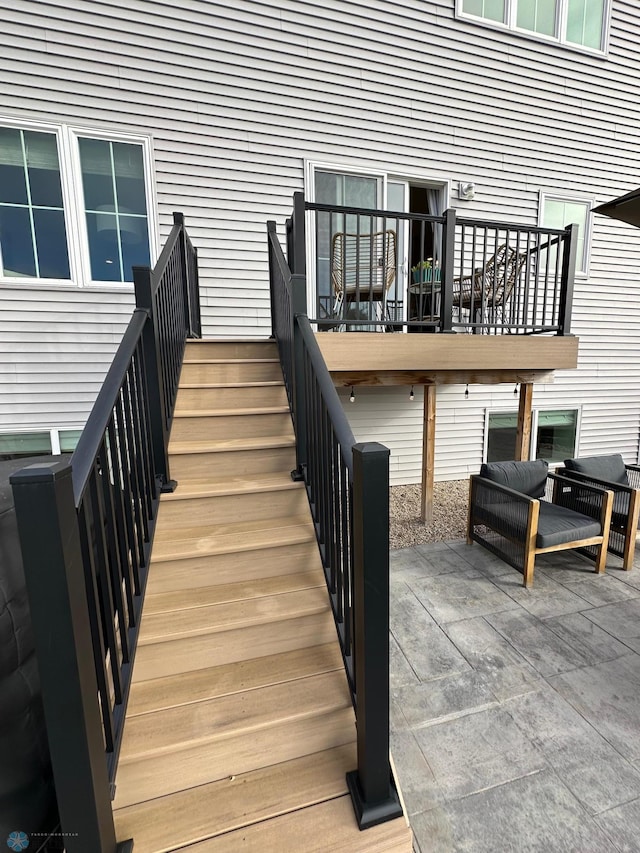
529,478
557,525
601,467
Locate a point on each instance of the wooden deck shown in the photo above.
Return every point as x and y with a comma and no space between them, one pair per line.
240,727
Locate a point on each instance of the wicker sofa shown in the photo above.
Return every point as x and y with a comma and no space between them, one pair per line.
510,514
610,472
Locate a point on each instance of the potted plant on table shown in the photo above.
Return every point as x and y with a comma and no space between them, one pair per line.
422,271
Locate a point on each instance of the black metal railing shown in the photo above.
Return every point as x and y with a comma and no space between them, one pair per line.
348,489
389,270
86,529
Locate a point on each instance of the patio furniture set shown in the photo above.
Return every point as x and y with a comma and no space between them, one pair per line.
519,510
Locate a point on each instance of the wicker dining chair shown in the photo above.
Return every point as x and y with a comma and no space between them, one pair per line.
363,267
489,287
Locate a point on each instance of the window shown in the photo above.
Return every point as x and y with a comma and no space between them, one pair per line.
18,445
577,23
558,212
74,207
32,223
554,434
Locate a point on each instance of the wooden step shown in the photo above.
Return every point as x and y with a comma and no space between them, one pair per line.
230,349
198,570
220,425
328,827
248,798
228,371
202,684
186,654
193,507
161,627
186,542
168,773
212,396
233,457
226,593
175,729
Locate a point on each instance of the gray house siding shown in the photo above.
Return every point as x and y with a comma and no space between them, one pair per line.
238,96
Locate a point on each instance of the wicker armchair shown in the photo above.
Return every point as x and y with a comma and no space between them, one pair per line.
363,267
489,287
509,515
610,472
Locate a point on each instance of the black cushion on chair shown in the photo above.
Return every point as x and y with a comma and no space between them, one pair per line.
529,478
609,467
558,524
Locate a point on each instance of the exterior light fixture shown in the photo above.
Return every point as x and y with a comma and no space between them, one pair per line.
466,190
352,396
411,395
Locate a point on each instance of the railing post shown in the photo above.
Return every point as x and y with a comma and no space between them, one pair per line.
569,255
299,306
448,252
178,219
143,284
54,574
271,229
371,786
297,263
289,240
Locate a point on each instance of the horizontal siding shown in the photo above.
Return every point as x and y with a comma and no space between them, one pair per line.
252,88
55,349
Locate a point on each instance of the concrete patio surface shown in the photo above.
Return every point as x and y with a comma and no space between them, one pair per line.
515,714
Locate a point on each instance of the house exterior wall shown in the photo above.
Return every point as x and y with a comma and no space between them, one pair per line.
238,96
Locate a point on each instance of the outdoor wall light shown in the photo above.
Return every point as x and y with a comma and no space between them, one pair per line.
352,396
466,190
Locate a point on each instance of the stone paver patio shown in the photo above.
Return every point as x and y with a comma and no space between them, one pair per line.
515,713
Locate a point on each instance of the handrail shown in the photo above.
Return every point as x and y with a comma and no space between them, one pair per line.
96,425
347,486
86,527
339,420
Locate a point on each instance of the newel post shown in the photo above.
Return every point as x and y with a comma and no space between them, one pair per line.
178,219
299,307
371,786
54,574
448,253
296,245
569,255
143,285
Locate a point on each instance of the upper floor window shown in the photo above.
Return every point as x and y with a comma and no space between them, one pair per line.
579,23
560,211
73,206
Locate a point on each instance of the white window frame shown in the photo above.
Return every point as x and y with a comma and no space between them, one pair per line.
561,26
73,201
533,439
582,269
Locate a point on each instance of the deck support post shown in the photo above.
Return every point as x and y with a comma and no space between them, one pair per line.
372,788
428,454
523,434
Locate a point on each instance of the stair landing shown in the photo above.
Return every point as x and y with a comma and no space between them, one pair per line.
240,728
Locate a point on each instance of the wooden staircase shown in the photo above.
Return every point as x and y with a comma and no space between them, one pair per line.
239,728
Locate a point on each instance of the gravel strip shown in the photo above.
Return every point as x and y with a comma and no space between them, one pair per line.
450,502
